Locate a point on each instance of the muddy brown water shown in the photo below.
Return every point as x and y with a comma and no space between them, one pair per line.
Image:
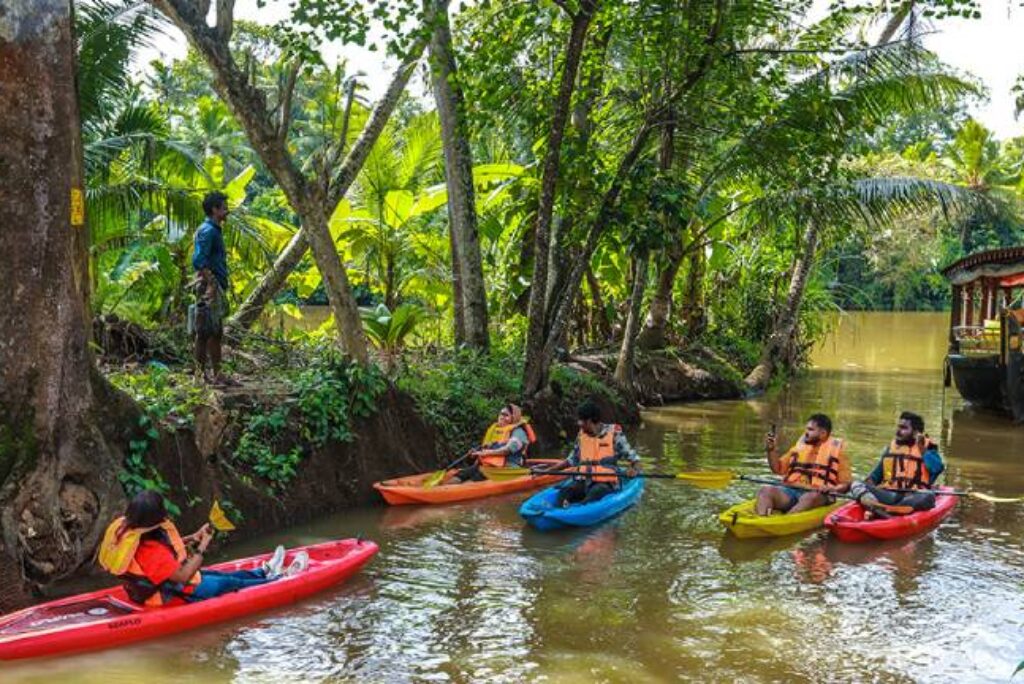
467,593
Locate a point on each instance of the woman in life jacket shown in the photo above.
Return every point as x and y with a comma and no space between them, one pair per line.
144,549
812,470
902,480
598,449
504,445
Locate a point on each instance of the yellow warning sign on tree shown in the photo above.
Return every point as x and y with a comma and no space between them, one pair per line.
77,207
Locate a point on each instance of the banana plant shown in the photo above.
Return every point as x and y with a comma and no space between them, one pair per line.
389,330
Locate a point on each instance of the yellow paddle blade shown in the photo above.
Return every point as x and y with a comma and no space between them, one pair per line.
709,479
503,474
219,519
434,479
994,499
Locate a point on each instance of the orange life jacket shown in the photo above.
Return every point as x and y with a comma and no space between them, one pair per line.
595,449
117,555
814,468
499,435
903,466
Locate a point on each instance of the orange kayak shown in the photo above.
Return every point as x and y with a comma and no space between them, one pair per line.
410,490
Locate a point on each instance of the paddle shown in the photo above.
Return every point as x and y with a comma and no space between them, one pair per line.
436,477
981,496
780,483
888,508
709,478
219,519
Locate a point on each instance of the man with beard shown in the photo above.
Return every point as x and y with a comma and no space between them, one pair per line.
903,478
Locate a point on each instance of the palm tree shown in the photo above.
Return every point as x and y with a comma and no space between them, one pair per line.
976,162
144,188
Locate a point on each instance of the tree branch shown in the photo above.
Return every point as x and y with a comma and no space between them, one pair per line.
374,125
225,19
284,99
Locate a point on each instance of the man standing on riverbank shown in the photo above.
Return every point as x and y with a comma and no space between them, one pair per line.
902,480
211,265
813,469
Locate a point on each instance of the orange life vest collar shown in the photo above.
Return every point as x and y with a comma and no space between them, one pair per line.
814,465
903,466
498,436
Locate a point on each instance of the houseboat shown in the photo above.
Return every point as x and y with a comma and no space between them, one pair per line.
985,359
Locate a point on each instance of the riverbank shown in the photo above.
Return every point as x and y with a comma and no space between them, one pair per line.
306,434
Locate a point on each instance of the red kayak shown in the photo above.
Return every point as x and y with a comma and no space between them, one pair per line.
106,618
848,523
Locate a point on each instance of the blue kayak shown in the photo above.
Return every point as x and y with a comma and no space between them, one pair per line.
540,510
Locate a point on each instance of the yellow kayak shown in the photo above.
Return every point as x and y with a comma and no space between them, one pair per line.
745,524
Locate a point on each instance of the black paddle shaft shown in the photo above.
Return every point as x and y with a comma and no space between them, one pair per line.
780,483
667,476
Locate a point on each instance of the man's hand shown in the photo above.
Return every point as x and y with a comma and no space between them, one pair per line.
633,470
205,536
770,442
197,534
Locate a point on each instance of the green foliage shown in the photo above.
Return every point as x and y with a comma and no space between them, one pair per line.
139,474
757,118
167,397
461,392
324,400
165,394
388,331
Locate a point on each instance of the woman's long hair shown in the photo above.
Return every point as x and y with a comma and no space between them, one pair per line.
146,509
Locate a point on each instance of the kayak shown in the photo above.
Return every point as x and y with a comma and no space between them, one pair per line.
410,490
107,618
540,510
848,523
744,523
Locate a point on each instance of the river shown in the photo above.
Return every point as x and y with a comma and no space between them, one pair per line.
467,593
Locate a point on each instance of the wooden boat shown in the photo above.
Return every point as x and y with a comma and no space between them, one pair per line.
985,359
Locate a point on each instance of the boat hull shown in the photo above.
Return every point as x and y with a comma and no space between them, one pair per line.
848,523
405,491
744,523
540,510
107,618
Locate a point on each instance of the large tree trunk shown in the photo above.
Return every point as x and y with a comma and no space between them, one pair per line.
58,473
534,377
468,272
627,352
782,332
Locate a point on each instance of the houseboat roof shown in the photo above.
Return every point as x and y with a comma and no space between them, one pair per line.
1006,265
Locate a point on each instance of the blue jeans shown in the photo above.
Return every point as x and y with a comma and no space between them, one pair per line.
215,583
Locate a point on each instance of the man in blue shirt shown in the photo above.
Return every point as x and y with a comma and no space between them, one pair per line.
902,480
211,265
